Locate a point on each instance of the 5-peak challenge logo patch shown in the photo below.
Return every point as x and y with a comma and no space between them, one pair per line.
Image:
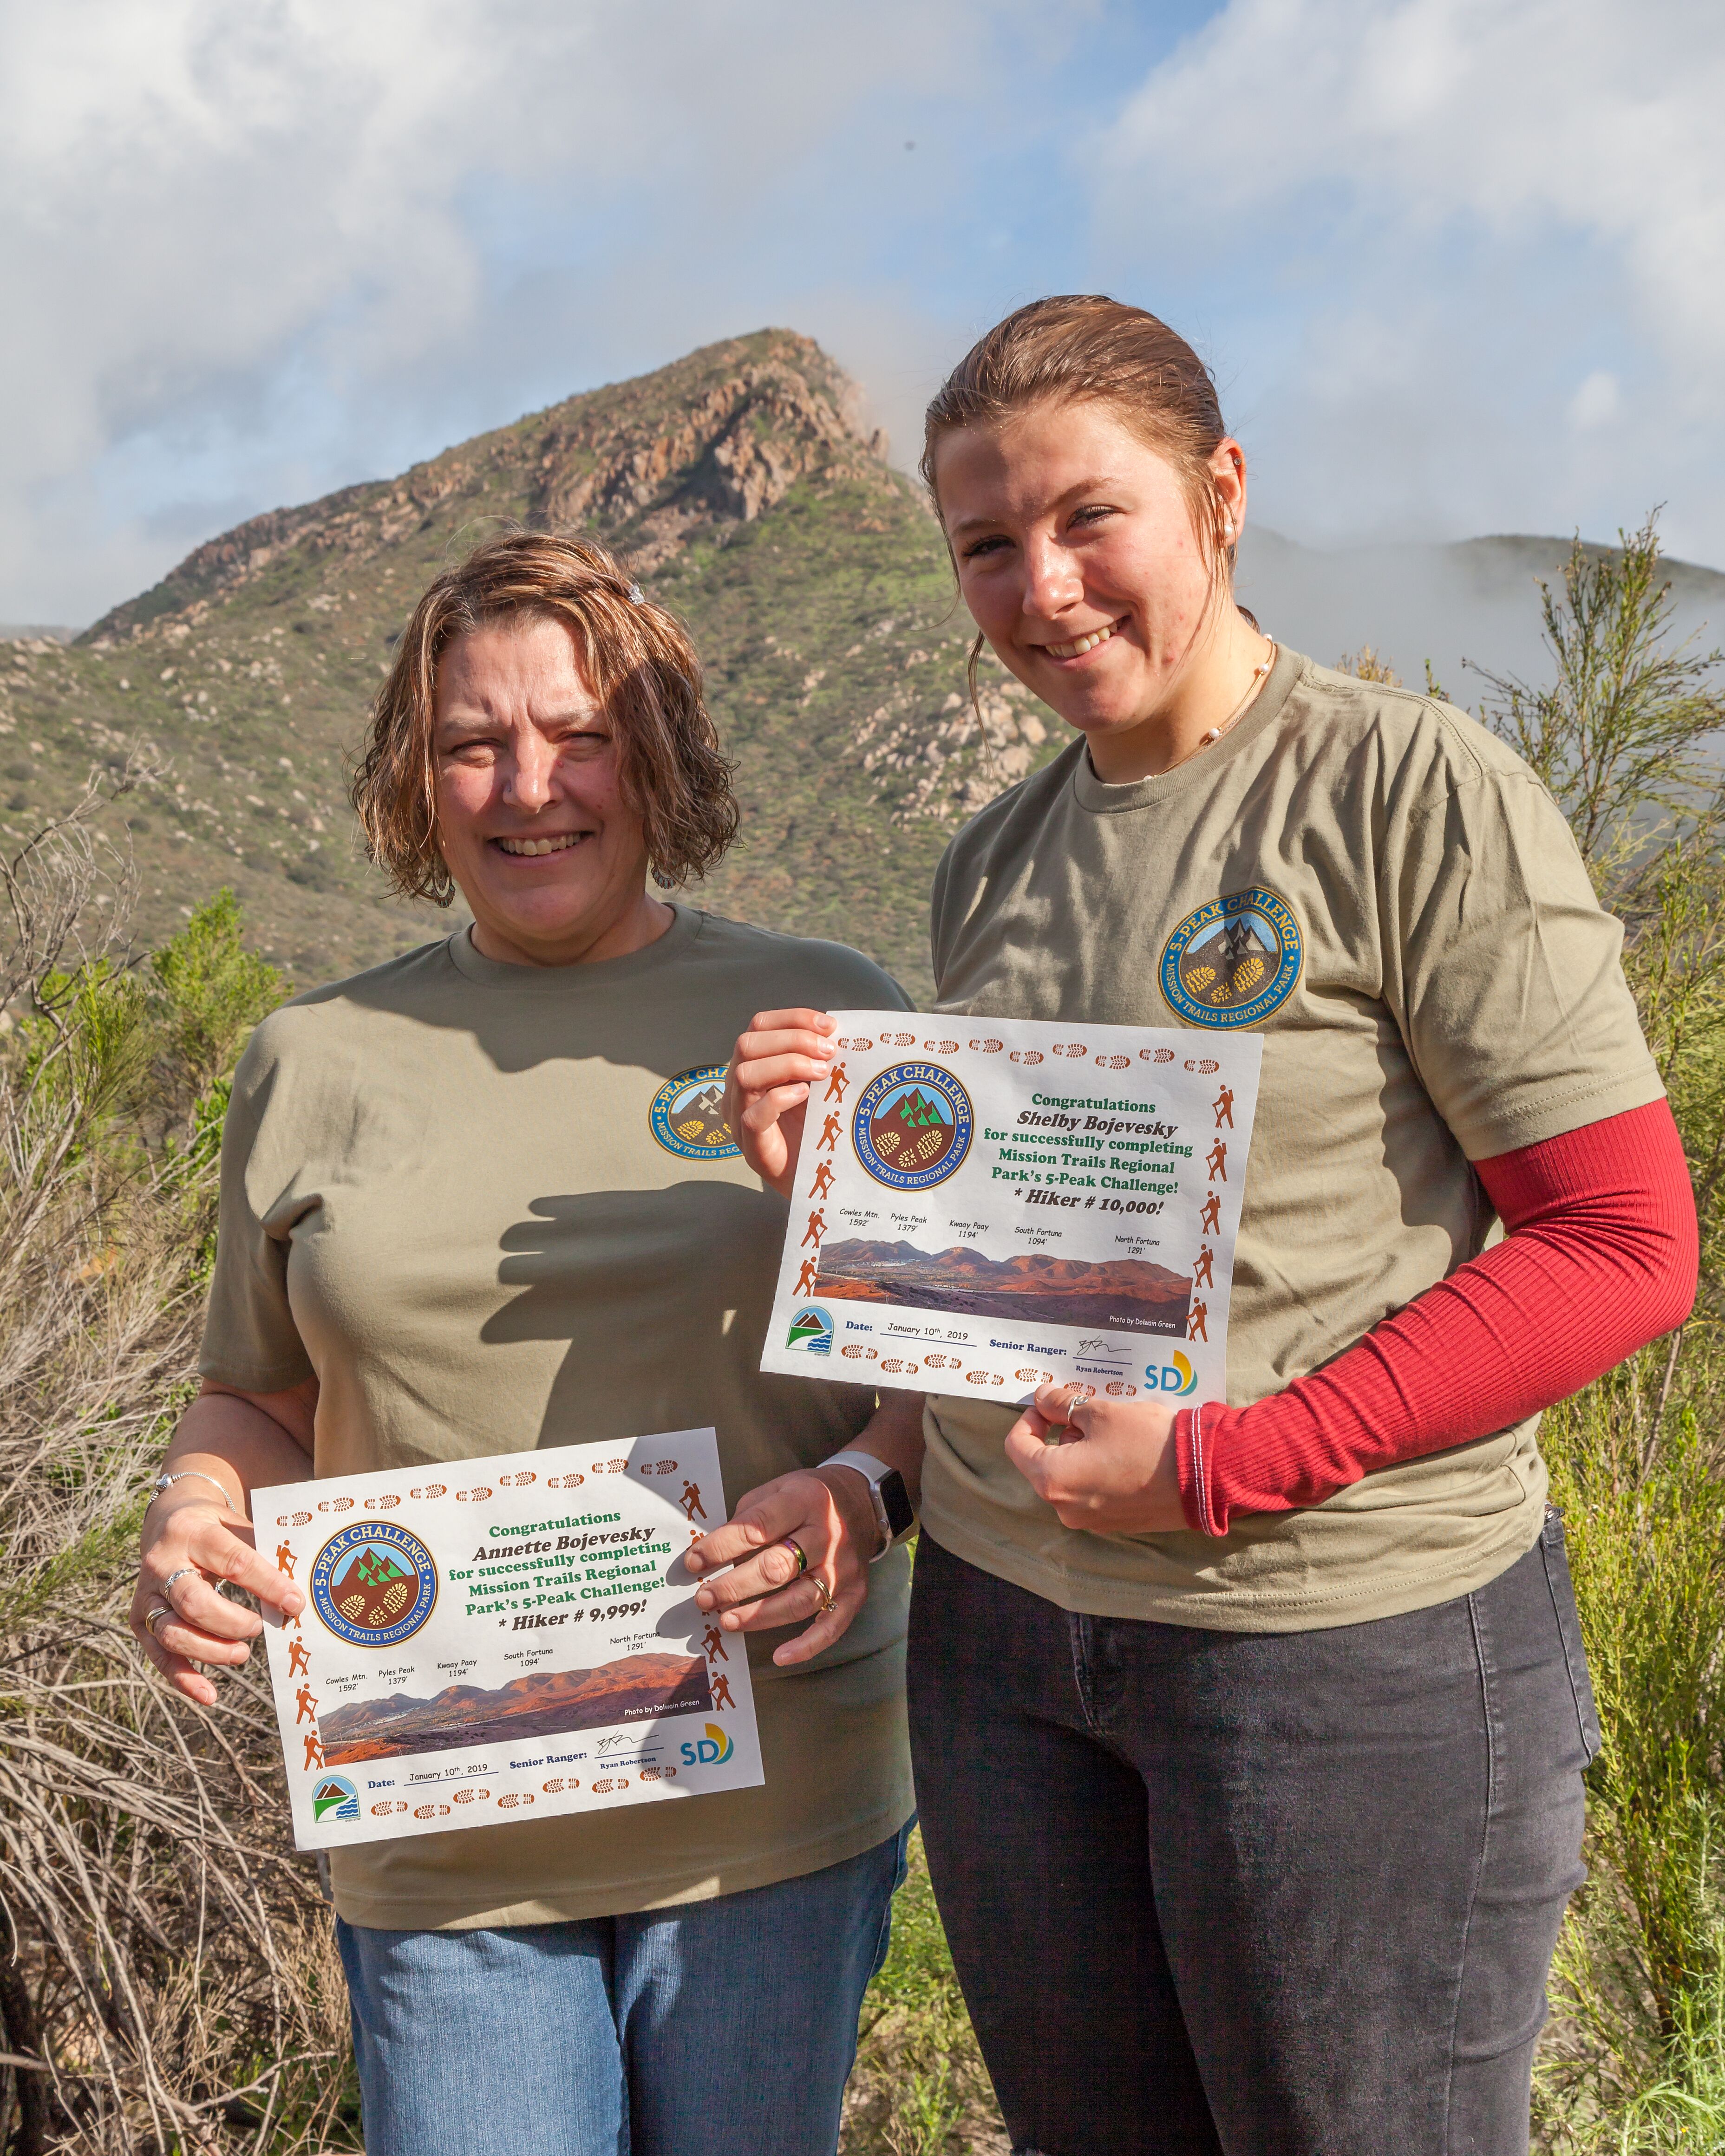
1233,962
687,1116
373,1583
913,1126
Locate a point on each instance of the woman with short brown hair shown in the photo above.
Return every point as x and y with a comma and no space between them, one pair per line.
483,1197
1249,1734
638,662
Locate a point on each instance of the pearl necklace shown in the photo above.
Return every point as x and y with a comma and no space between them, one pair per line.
1215,733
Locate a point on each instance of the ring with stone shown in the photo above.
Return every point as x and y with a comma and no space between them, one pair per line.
824,1592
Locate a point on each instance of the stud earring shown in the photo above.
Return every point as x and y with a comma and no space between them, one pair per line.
1227,528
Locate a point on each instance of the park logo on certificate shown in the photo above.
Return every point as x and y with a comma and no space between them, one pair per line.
502,1639
992,1203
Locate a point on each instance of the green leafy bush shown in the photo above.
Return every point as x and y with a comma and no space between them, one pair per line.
1626,738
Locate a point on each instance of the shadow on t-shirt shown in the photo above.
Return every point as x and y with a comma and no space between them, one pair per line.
664,1297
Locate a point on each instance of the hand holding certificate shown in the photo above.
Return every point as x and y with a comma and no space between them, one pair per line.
1002,1204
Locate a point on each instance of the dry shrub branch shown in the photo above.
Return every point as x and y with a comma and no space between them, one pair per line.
166,1981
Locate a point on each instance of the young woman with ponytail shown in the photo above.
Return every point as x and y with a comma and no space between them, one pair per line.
1249,1737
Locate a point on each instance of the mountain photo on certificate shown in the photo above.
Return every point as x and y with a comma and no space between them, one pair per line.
638,1688
1129,1295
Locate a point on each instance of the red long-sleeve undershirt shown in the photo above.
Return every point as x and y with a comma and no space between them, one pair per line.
1598,1257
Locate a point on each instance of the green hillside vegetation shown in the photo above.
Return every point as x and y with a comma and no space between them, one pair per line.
746,496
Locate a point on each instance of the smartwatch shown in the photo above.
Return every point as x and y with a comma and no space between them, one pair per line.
891,1500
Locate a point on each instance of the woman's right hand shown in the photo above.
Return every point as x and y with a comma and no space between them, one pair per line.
202,1541
783,1053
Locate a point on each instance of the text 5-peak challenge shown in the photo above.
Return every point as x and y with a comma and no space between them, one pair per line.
986,1204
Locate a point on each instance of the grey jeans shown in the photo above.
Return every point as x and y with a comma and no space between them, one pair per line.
1265,1894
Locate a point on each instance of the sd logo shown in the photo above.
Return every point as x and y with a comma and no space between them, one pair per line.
712,1750
1177,1377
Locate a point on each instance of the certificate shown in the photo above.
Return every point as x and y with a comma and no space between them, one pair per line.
502,1639
988,1205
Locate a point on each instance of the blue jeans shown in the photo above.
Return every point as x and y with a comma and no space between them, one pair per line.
723,2026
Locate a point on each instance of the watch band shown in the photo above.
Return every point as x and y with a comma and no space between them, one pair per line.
894,1515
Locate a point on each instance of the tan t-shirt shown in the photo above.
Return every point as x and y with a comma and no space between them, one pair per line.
443,1192
1388,894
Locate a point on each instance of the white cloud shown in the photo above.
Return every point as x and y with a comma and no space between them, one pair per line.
1595,403
1431,218
251,251
1459,262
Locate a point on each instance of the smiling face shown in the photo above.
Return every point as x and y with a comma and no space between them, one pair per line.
532,820
1078,560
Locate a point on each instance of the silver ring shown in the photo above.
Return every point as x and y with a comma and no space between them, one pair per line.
185,1572
157,1609
1064,1420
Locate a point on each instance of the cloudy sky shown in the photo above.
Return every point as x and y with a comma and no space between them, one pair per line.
1458,265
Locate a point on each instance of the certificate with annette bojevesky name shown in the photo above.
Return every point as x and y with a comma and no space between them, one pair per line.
502,1639
986,1204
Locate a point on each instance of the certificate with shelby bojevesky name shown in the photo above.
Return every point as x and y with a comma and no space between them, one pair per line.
502,1639
988,1205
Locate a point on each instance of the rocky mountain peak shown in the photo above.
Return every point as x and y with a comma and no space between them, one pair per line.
724,452
710,442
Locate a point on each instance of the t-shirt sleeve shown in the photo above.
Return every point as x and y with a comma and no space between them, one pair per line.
950,898
1504,972
250,1340
852,982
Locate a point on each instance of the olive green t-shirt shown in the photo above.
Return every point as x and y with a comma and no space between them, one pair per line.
444,1192
1385,892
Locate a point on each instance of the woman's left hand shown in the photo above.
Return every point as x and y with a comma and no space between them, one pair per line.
1111,1468
831,1520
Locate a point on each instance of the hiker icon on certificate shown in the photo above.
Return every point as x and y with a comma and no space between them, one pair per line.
992,1204
501,1639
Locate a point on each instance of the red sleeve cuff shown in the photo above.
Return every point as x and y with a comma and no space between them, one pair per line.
1600,1257
1195,1496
